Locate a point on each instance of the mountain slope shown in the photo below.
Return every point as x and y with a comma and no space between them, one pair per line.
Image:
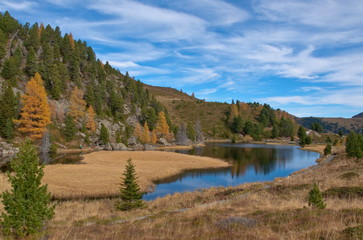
359,115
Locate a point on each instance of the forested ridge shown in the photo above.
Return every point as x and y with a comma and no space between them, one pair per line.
66,65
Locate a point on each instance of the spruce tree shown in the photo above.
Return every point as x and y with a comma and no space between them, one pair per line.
130,195
27,204
327,149
104,136
315,198
70,128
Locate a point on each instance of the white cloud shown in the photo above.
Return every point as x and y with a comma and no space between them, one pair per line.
11,5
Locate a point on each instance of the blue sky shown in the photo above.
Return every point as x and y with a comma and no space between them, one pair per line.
305,56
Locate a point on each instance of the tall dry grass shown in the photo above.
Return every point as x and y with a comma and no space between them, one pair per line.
280,209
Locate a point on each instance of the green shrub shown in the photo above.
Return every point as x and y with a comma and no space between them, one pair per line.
327,149
353,232
315,198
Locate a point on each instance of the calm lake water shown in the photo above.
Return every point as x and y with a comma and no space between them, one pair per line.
250,163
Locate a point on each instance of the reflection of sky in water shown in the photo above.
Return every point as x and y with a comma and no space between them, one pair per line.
250,163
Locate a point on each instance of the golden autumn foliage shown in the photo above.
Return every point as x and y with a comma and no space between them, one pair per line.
162,126
90,119
138,131
40,30
35,111
71,40
233,111
153,137
145,138
77,105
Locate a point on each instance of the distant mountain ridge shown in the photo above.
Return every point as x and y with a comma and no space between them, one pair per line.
359,115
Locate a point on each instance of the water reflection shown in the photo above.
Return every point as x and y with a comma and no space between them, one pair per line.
249,163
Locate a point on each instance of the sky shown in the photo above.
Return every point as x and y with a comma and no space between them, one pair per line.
305,57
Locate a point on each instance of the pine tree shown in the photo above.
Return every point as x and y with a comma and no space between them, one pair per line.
90,120
77,105
130,191
315,198
70,128
27,204
35,113
104,136
162,126
327,149
145,138
8,103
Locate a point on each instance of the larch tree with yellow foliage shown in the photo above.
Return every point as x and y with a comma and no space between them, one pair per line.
162,126
90,119
153,137
145,138
35,113
138,131
77,105
233,112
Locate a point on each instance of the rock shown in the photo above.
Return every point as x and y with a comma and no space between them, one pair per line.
235,221
132,120
118,146
107,147
149,147
163,141
81,134
132,141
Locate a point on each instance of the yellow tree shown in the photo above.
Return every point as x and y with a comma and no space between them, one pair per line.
145,138
153,137
162,126
90,119
35,113
77,104
138,132
233,111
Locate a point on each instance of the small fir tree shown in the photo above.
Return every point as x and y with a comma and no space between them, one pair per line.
104,136
70,128
327,149
27,203
315,198
130,194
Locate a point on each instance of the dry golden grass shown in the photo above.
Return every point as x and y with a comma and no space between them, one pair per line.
279,207
100,172
320,148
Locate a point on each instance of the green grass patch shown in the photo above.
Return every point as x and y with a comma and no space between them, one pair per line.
353,233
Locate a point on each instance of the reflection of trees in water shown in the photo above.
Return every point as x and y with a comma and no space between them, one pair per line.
194,173
263,160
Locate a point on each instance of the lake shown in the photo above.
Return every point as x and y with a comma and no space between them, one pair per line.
249,163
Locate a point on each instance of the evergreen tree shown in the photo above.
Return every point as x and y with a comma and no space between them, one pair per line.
70,128
327,149
354,145
302,135
8,103
191,132
315,198
130,191
237,124
27,204
104,136
275,131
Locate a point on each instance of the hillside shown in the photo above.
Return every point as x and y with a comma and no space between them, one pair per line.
64,64
334,125
359,115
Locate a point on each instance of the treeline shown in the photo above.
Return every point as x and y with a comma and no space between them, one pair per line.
260,121
64,64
